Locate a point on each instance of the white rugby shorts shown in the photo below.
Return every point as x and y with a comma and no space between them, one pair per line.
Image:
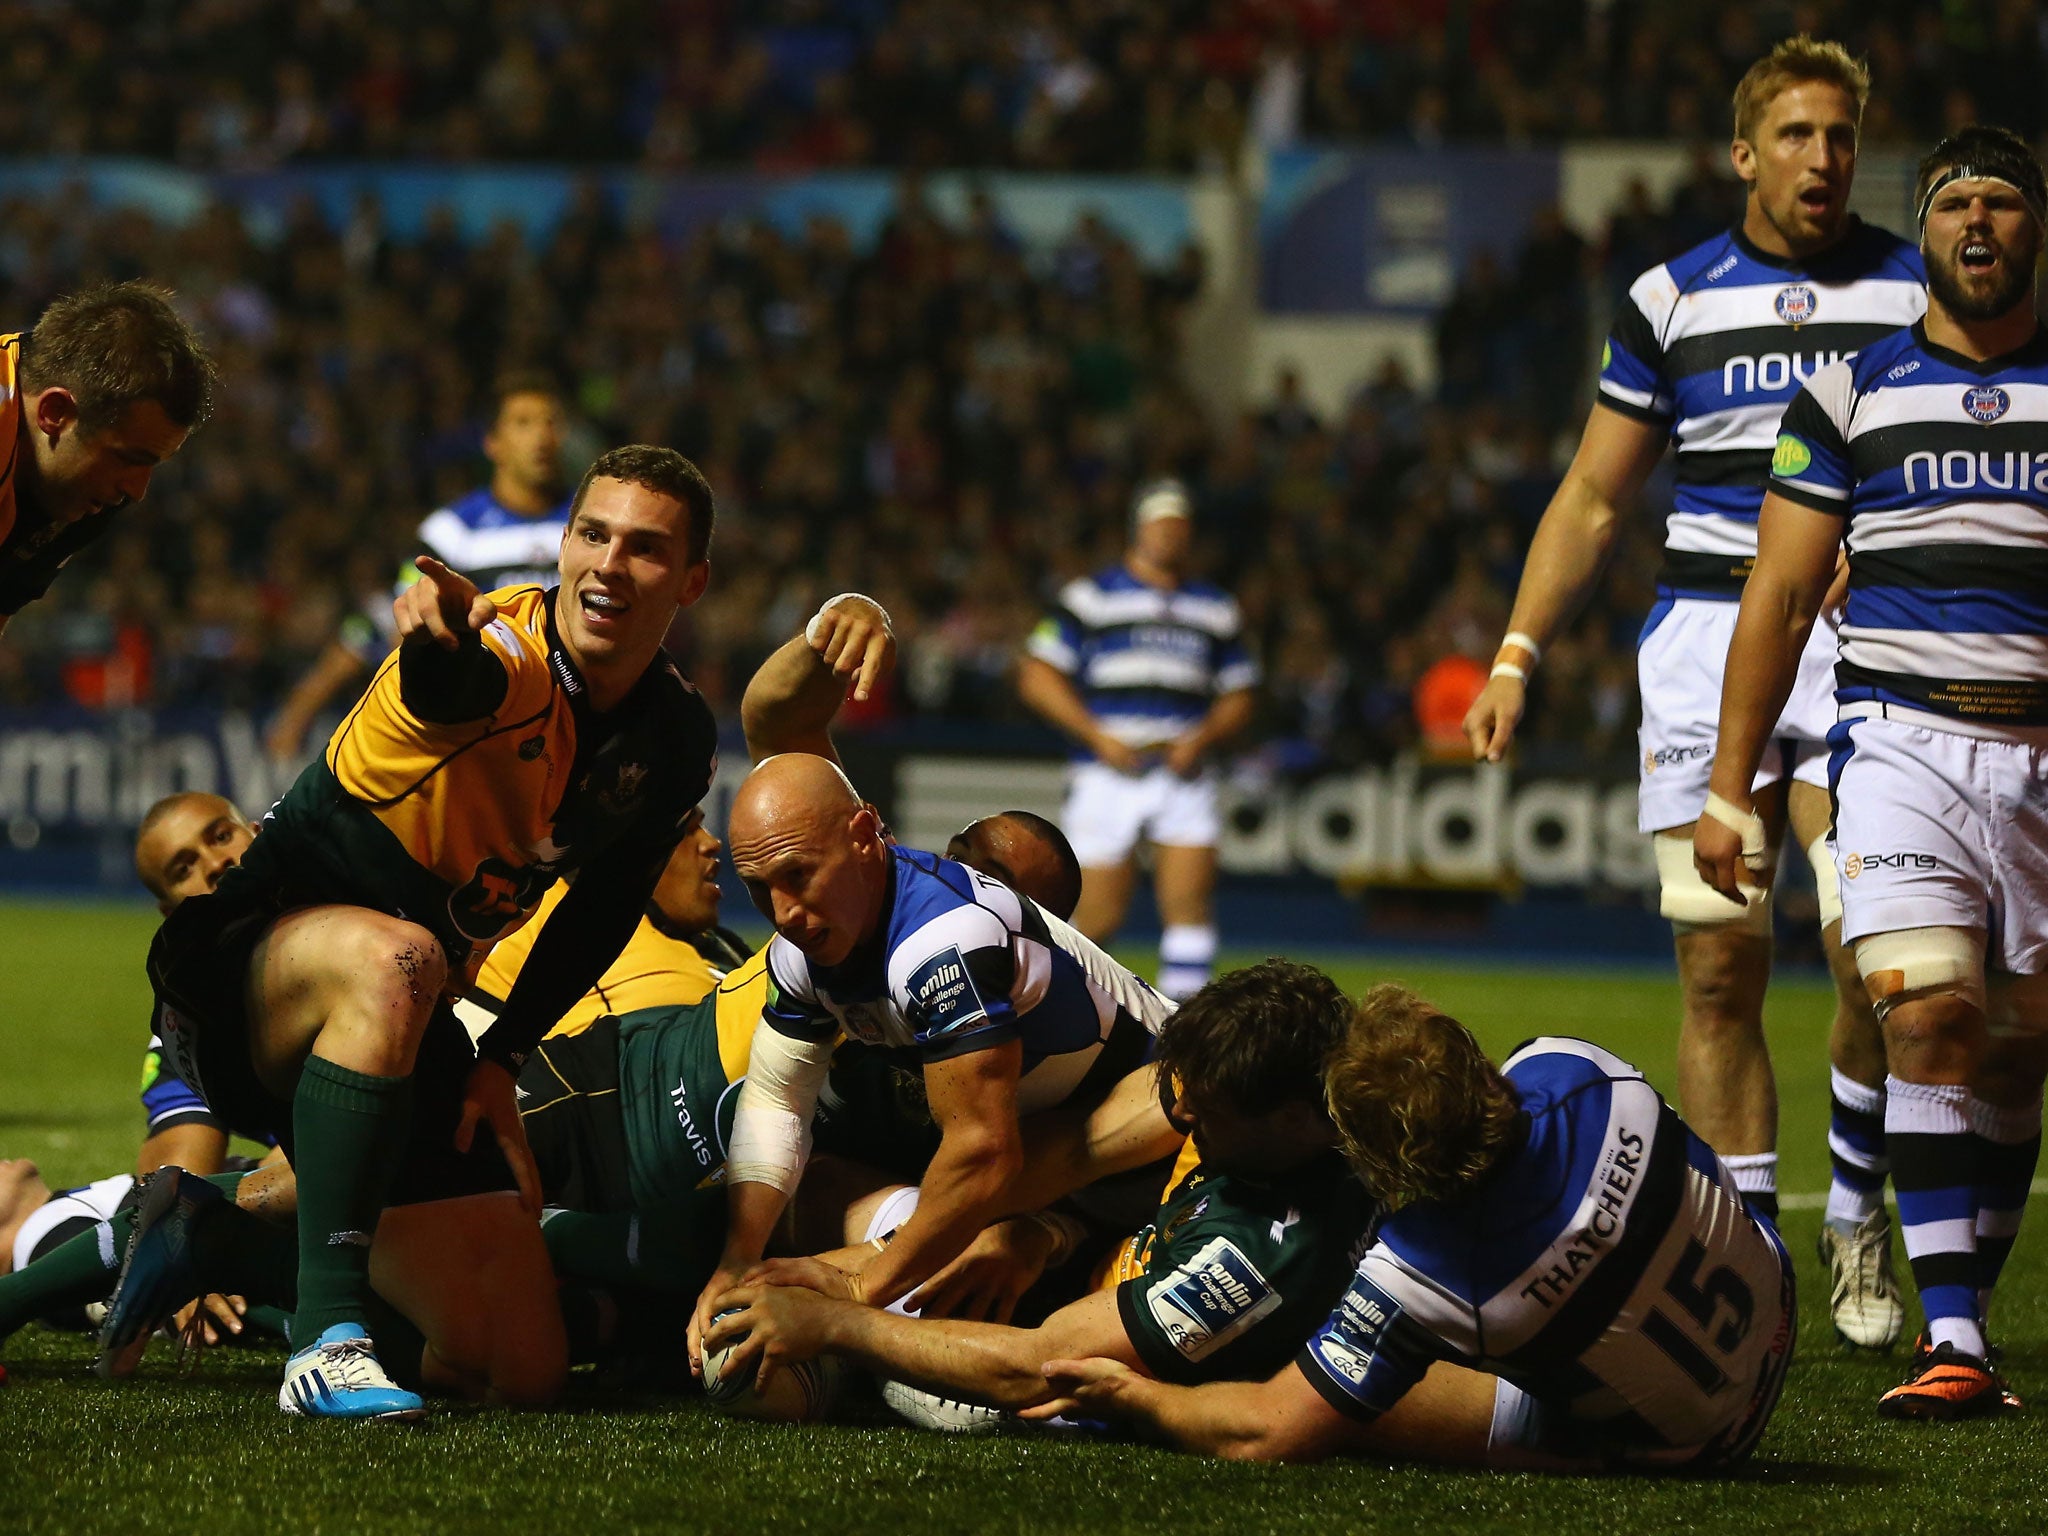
1935,829
1679,663
1107,812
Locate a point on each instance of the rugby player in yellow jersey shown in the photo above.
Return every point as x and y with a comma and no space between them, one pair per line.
107,385
512,739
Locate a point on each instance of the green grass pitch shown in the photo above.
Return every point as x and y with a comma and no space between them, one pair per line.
213,1454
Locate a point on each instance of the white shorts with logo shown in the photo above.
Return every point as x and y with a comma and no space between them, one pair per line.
1679,663
1934,829
1107,812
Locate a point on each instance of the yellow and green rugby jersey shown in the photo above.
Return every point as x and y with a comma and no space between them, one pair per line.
464,783
1232,1274
679,1074
660,967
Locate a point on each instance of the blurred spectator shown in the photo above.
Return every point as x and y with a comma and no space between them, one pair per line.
1056,84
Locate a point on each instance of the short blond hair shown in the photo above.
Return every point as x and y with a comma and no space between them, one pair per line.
1420,1111
1797,60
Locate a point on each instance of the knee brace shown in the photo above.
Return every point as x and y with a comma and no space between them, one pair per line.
1911,963
1827,885
1690,903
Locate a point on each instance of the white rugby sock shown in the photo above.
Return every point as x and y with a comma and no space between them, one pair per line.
1187,954
1756,1173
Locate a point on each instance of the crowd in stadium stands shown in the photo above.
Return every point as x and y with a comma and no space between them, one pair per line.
939,422
1061,84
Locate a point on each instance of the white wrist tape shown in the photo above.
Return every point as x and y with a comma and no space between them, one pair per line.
1508,669
818,619
1756,850
1515,637
769,1146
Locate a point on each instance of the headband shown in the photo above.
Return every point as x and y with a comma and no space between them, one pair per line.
1964,172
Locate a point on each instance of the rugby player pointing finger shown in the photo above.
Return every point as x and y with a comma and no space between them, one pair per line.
511,739
1924,455
1705,352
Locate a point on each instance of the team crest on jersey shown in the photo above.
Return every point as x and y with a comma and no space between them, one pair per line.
531,748
1986,402
1795,305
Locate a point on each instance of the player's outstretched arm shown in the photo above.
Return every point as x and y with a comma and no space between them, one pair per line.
981,1149
1446,1417
989,1363
1570,549
1051,694
790,702
1066,1149
1794,572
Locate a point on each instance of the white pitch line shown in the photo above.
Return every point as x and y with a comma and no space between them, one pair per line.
1811,1202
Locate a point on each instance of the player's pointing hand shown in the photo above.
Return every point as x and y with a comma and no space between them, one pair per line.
442,606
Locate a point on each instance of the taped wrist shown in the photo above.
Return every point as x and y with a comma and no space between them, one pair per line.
771,1126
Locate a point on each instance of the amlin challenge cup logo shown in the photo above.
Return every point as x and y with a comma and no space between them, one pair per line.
1796,304
1986,402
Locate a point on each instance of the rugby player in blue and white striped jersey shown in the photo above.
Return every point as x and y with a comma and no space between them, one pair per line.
1705,353
1928,455
1568,1279
1001,1006
1147,670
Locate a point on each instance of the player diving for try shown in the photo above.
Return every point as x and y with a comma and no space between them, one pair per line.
1917,456
511,740
1705,353
1567,1277
1003,1007
1257,1230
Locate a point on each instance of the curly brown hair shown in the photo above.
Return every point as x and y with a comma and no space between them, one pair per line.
1419,1109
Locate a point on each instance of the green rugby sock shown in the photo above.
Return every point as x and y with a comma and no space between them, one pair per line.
76,1273
349,1130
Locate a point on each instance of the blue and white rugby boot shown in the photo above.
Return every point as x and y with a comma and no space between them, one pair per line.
337,1377
159,1274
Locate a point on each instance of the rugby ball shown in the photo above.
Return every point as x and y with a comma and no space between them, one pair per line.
801,1393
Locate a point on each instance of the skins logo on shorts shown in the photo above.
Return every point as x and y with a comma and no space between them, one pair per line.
1795,305
1662,757
1791,456
1856,863
942,994
1985,402
1210,1300
1852,866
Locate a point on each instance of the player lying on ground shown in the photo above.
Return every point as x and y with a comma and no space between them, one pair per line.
185,843
1551,1222
1906,454
107,385
1256,1232
507,743
1004,1009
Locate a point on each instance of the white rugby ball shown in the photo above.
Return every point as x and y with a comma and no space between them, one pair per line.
800,1393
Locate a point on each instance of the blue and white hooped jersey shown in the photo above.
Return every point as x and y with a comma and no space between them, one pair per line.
1938,466
1712,345
483,539
1148,662
1607,1267
963,963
